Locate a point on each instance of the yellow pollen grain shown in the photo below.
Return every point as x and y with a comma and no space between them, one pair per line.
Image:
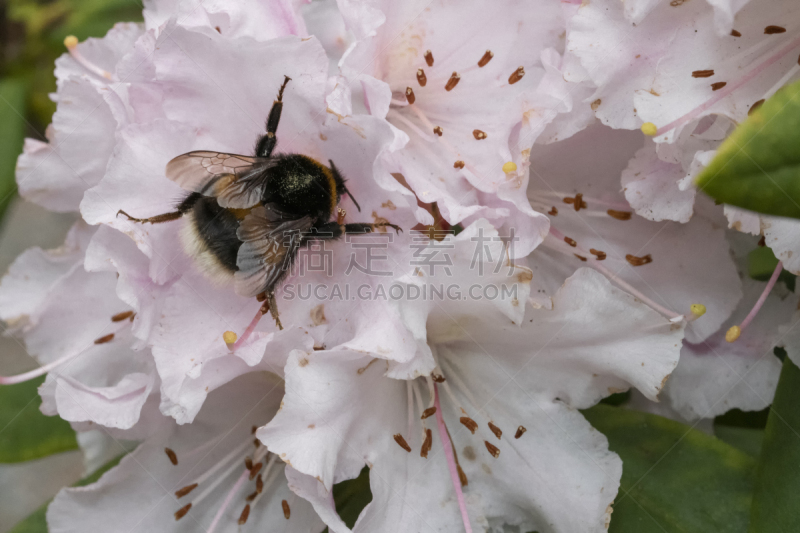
649,129
733,333
698,309
509,167
70,41
229,337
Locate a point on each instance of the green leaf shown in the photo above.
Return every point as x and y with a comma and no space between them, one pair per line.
352,496
12,133
37,521
749,440
758,166
778,475
675,479
25,433
761,262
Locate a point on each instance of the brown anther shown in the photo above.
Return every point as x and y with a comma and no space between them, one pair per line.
703,73
286,511
254,471
553,211
430,411
619,215
719,85
452,82
256,443
484,60
520,431
119,317
494,450
244,515
421,78
597,253
576,202
638,261
437,378
571,242
762,241
458,164
516,76
429,58
410,98
398,438
580,257
248,463
180,493
172,457
755,106
735,33
462,477
340,214
438,131
261,296
427,444
479,135
104,339
496,430
252,496
772,30
265,308
253,430
180,513
259,484
469,423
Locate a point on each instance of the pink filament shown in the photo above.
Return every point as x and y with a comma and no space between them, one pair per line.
228,498
249,331
763,298
722,93
451,460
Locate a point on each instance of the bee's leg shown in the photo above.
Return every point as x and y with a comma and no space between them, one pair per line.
184,207
364,227
270,305
334,230
266,144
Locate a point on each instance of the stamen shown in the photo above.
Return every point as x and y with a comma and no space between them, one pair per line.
571,242
35,373
509,167
452,82
172,457
698,310
582,258
772,30
244,515
398,438
180,513
649,129
227,502
438,131
421,78
496,430
427,444
755,106
458,164
451,463
429,58
520,431
469,423
185,490
484,60
71,42
428,412
104,339
553,211
479,135
255,470
494,450
703,73
619,215
638,261
410,95
437,378
719,85
598,254
287,512
230,339
516,76
119,317
735,33
735,331
259,484
249,331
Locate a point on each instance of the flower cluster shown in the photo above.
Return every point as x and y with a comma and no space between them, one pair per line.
575,258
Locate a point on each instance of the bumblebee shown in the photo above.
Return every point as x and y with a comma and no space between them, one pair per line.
248,216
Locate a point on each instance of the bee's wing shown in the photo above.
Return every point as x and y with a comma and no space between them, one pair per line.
235,180
270,240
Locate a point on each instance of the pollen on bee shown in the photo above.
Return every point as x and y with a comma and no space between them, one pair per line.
733,333
452,82
509,167
516,76
484,60
230,339
649,129
421,78
70,41
410,98
698,310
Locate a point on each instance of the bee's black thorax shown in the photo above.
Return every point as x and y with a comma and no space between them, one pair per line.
301,186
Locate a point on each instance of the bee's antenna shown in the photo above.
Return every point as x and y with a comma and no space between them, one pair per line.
354,200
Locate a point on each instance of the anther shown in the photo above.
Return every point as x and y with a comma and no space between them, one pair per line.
248,463
438,131
286,511
698,310
262,296
553,211
230,339
762,242
452,82
478,134
469,423
462,477
427,444
484,60
619,215
429,58
496,430
649,129
70,42
398,438
252,496
494,450
638,261
172,457
253,430
598,254
703,73
520,431
421,78
104,339
458,164
180,513
735,33
410,98
772,30
516,76
254,471
719,85
180,493
430,411
119,317
576,202
259,484
571,242
509,167
437,378
580,257
244,515
755,106
733,333
340,214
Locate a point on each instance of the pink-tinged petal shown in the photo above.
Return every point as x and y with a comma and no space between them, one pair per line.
783,236
743,220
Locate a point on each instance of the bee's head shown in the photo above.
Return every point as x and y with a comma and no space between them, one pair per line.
341,188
